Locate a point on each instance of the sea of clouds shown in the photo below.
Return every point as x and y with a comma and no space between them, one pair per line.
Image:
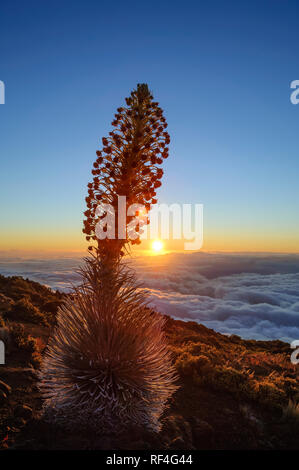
253,296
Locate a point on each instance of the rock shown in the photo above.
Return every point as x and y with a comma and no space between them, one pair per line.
106,443
5,303
23,411
138,445
4,387
148,446
31,373
28,444
228,412
176,426
202,430
178,443
152,440
3,397
256,422
20,421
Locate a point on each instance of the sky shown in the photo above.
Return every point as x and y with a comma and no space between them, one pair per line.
220,70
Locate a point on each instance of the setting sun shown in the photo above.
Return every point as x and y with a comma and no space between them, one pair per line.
157,246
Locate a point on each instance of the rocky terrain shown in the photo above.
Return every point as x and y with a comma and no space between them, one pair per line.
234,393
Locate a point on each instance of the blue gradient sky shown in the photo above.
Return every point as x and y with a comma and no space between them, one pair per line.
222,73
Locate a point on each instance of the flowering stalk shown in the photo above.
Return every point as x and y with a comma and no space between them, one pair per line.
128,165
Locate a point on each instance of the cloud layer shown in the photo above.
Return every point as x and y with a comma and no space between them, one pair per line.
254,296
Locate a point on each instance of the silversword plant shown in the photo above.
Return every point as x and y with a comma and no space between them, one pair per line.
107,364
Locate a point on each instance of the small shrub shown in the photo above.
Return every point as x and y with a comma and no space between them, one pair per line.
24,310
187,365
5,303
50,308
231,380
291,412
26,345
268,393
21,339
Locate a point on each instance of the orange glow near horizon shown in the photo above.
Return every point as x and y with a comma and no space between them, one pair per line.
70,240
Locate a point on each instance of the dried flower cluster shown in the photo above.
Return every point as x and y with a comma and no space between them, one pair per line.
129,164
107,364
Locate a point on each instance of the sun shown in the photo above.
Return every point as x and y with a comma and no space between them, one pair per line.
157,246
